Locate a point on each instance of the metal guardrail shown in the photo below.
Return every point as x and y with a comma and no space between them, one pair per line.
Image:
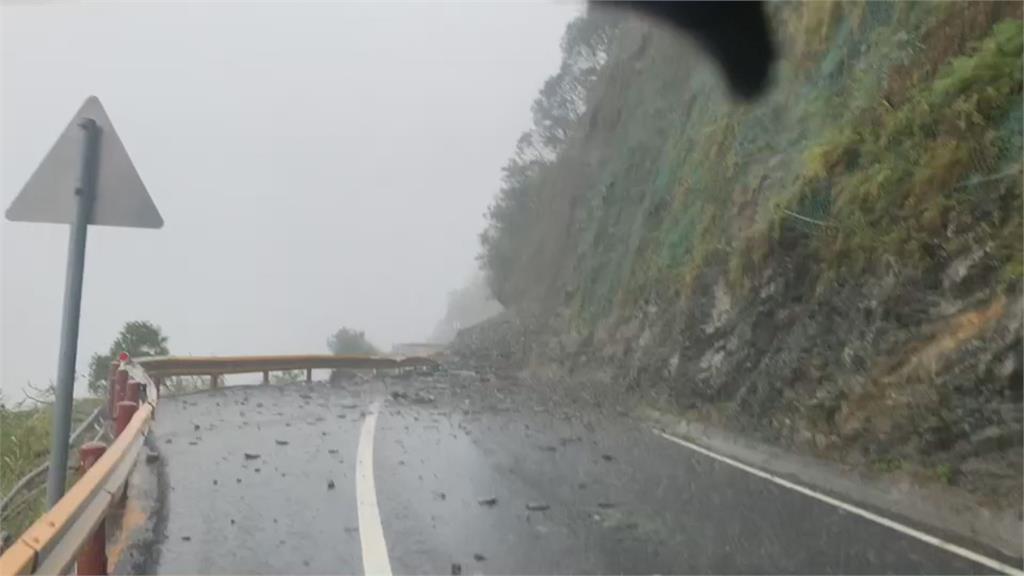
53,543
158,367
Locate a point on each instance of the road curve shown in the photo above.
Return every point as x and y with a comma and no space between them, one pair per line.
268,480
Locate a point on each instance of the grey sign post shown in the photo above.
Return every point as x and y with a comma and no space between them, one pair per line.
86,178
55,479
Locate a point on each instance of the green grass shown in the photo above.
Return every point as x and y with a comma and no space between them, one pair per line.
890,182
24,445
854,162
945,473
887,465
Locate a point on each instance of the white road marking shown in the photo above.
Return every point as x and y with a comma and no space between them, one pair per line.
371,532
934,541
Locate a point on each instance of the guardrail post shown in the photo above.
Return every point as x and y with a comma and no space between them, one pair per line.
111,390
266,377
214,378
125,411
92,558
132,391
120,385
309,375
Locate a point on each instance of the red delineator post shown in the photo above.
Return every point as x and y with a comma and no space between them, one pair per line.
131,393
120,386
111,390
92,558
125,411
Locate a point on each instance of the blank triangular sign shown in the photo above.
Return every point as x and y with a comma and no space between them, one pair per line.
121,197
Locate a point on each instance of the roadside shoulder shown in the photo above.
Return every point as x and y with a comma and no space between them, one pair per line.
943,511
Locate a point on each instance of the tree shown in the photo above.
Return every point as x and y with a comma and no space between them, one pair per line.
138,338
349,342
468,305
563,98
558,111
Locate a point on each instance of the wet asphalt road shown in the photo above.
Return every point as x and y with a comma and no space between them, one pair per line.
261,480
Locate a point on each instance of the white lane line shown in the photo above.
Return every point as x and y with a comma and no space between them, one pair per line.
371,532
934,541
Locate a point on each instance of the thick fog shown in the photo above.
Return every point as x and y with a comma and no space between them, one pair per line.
317,166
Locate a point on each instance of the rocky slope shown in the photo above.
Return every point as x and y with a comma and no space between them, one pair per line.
835,268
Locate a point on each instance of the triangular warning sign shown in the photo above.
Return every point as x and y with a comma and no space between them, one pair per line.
121,197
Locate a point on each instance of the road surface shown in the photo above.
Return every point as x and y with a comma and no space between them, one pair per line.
415,476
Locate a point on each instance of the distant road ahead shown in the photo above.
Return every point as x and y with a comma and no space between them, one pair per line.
269,480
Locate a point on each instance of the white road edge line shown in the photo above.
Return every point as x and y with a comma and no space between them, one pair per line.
371,532
928,538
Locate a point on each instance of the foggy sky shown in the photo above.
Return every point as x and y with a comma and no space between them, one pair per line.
316,166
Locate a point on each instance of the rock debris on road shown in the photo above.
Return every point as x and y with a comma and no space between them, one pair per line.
447,451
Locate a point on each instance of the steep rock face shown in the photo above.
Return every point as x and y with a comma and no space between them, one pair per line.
876,376
835,268
874,373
